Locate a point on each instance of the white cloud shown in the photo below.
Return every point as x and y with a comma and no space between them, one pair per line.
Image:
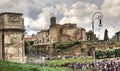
43,22
35,25
77,11
111,9
4,3
81,9
37,4
15,6
73,19
84,11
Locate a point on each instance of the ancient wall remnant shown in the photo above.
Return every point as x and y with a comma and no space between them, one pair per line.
11,37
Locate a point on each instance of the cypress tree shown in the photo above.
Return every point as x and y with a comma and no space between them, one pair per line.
106,38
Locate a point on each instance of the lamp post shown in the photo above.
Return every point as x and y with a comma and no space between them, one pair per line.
96,16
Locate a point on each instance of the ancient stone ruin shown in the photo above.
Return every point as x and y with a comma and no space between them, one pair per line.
11,37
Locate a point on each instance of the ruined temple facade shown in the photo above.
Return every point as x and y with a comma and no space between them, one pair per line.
116,37
60,33
44,40
11,37
66,32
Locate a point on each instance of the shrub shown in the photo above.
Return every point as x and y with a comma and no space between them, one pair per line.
99,54
59,45
65,45
117,52
109,53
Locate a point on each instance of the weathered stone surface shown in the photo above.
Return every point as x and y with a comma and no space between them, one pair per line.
12,42
60,33
0,46
57,33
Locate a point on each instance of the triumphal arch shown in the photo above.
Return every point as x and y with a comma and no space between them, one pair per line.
11,37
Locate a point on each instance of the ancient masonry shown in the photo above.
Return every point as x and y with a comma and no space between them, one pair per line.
11,37
60,33
45,39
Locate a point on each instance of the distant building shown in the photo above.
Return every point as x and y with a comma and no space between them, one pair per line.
28,38
43,38
11,37
89,35
116,37
60,33
56,33
67,32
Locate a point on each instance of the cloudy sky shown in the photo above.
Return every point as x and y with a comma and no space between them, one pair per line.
37,13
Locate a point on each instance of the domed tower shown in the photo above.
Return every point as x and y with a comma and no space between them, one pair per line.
11,37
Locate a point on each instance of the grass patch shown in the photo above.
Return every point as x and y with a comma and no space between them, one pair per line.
9,66
71,60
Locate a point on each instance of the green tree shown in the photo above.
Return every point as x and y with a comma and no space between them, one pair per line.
99,54
117,52
106,38
26,44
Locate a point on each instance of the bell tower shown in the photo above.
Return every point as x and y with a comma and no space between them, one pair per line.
53,21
